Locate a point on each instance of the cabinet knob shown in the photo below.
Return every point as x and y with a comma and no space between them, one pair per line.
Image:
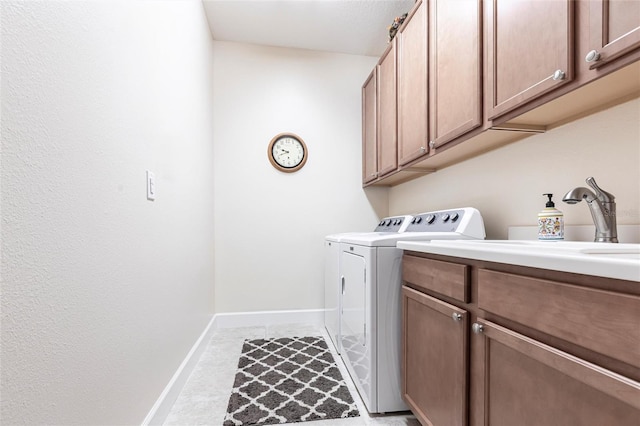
477,328
456,316
592,56
559,75
432,144
422,149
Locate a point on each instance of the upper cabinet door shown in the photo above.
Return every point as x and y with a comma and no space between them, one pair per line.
614,29
455,37
529,50
387,112
369,129
412,86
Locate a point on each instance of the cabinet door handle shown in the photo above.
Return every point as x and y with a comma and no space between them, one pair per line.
477,328
342,283
592,56
559,75
432,144
456,316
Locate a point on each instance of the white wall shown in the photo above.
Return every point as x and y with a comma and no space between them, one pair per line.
269,225
507,184
103,292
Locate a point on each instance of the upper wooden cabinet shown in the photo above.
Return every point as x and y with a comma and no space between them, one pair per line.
412,86
614,29
529,52
369,129
455,68
473,75
379,119
439,75
387,112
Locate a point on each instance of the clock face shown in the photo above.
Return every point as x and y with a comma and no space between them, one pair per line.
287,152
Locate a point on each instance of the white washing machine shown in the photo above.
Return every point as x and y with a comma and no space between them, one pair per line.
332,280
370,320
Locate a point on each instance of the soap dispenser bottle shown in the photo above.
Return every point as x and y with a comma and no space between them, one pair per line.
550,222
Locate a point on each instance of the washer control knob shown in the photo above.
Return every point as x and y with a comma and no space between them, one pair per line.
430,219
418,219
454,217
413,220
381,223
445,217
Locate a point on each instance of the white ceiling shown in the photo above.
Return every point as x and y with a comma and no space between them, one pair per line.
358,27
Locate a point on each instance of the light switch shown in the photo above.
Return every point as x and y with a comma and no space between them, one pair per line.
151,186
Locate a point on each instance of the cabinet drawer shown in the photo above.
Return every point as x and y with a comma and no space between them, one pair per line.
602,321
449,279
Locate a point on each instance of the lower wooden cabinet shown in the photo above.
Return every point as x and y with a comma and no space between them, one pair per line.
435,359
529,347
529,383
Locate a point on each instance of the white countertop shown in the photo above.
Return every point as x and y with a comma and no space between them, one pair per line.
621,261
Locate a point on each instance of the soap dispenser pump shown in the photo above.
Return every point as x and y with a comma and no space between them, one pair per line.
550,222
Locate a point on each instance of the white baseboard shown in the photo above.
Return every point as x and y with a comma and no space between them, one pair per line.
160,410
266,318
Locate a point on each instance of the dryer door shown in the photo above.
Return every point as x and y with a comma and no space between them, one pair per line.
357,339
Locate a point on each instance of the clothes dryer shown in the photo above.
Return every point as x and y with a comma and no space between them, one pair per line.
332,279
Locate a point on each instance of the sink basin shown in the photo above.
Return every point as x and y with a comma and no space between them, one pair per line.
565,246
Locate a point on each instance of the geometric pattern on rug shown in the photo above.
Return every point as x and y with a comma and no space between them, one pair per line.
287,380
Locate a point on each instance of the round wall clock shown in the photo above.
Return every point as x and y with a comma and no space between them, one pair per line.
287,152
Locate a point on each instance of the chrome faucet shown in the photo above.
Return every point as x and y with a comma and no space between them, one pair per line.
603,209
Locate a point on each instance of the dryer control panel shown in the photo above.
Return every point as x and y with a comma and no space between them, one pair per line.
394,224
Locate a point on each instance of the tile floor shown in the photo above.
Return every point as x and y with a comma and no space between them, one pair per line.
203,401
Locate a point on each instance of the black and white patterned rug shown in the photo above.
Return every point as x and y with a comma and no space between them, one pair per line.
287,380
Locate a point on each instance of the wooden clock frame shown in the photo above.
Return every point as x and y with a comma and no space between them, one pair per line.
275,164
